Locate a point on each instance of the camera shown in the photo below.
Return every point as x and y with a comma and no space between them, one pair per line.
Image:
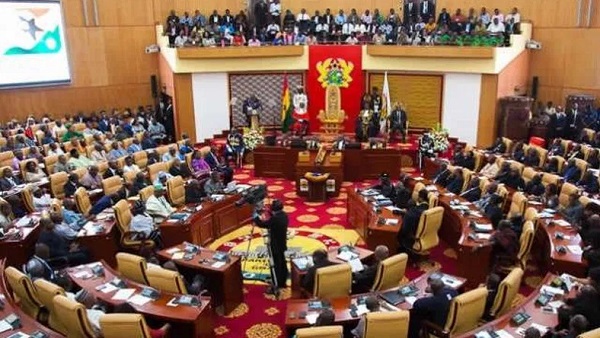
253,196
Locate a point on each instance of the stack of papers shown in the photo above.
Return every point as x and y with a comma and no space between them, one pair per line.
391,221
418,178
369,192
139,300
346,256
356,265
576,249
393,208
451,282
123,294
562,223
483,227
534,203
550,290
431,188
178,255
107,288
544,214
484,237
303,262
218,265
4,326
311,318
25,221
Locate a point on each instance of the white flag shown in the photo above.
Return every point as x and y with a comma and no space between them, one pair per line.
387,105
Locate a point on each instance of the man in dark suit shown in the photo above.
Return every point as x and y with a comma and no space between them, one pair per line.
427,10
456,181
219,165
410,222
575,121
443,18
434,308
180,169
363,281
193,192
8,180
411,11
277,225
401,193
320,260
473,192
514,180
385,186
571,173
71,185
112,170
398,120
441,176
493,211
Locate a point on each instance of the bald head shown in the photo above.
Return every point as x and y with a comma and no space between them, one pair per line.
381,252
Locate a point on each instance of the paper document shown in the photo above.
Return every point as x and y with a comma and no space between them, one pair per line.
139,300
173,250
4,326
346,256
483,237
23,222
503,334
362,309
178,255
311,318
392,208
123,294
576,249
410,300
418,178
562,223
534,202
107,288
356,265
217,265
391,221
550,290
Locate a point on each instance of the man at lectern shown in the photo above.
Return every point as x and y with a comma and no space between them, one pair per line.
252,108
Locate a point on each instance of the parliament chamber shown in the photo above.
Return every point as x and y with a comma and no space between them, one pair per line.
279,168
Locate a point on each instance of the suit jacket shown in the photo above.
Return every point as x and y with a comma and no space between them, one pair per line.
441,177
472,194
455,186
401,198
212,160
494,213
308,280
183,171
398,118
277,226
193,196
363,281
534,189
109,173
515,182
5,184
428,12
434,309
411,13
572,174
443,18
410,223
70,188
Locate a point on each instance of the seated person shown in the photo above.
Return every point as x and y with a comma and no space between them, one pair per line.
532,332
441,176
473,191
505,244
372,304
140,182
33,173
556,149
410,222
213,185
498,147
199,165
41,199
216,164
514,180
59,247
576,152
491,284
550,196
504,172
589,183
363,281
519,152
8,180
71,185
469,160
573,212
326,318
38,267
92,179
157,205
551,166
116,151
532,159
455,181
590,222
6,216
144,224
433,308
113,170
74,219
490,169
535,186
170,155
385,186
162,178
98,154
130,166
78,161
134,147
592,252
401,193
194,286
107,201
593,158
193,192
571,173
320,260
459,156
179,168
61,228
493,210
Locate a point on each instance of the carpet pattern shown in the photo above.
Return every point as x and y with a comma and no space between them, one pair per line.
312,225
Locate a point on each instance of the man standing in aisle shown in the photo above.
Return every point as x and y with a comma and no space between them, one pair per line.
277,225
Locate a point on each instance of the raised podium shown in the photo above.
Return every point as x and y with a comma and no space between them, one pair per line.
319,174
515,115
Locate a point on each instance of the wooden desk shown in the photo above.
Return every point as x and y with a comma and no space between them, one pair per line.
214,220
341,305
28,325
357,164
538,316
102,246
18,250
225,284
335,171
297,274
186,321
361,215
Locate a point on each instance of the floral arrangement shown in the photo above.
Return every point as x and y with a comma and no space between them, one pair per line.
253,138
440,139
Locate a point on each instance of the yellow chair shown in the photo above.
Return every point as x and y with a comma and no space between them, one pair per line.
102,167
565,191
415,193
525,243
479,160
518,204
46,293
162,150
176,190
166,280
542,153
590,133
333,281
561,162
146,193
6,158
73,316
118,325
49,163
508,143
392,324
22,165
531,214
129,239
80,172
582,165
465,313
155,168
551,179
528,174
141,159
127,142
590,334
390,272
507,291
23,292
320,332
467,174
57,184
80,127
503,192
133,267
427,232
112,184
433,200
82,201
27,195
129,176
566,144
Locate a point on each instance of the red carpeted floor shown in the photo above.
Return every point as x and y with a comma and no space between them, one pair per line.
262,316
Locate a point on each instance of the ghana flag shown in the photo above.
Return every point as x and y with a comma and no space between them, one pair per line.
286,107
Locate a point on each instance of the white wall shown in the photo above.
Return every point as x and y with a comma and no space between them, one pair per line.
211,103
460,106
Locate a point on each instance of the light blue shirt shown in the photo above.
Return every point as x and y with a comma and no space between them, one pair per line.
72,219
340,19
134,148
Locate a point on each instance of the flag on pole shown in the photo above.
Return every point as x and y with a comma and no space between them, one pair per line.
387,105
286,107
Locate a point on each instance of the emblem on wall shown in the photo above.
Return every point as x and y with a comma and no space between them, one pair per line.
335,72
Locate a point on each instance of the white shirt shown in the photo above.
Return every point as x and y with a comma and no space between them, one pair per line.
142,223
275,9
159,208
302,17
515,17
180,41
273,28
493,28
132,167
351,40
367,19
498,16
254,43
42,202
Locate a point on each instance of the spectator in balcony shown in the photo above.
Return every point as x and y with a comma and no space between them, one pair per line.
227,19
353,18
199,20
393,18
278,40
181,39
254,42
311,40
186,21
172,18
485,17
458,21
303,20
471,22
195,38
378,39
289,20
498,15
513,20
352,40
208,40
443,18
496,27
366,18
430,26
340,20
238,39
214,18
275,11
411,11
79,161
272,31
241,23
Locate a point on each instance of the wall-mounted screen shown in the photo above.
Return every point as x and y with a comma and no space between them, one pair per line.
33,49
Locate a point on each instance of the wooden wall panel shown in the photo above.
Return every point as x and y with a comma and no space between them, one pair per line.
421,95
125,12
487,129
184,105
166,77
73,13
514,78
